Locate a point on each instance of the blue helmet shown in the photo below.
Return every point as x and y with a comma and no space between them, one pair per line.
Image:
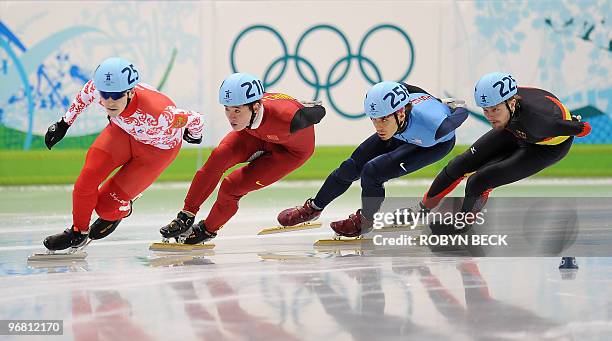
115,75
385,98
239,89
494,88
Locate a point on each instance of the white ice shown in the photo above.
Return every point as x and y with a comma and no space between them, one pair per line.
279,287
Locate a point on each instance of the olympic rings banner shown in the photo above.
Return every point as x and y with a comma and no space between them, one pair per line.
331,51
337,73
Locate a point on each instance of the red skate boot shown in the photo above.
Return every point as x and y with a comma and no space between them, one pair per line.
354,226
299,214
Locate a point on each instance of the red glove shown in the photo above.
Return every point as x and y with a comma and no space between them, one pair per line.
586,130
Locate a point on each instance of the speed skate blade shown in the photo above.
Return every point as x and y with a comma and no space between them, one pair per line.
177,247
398,228
40,257
298,227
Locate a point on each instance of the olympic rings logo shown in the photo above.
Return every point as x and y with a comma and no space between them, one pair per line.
346,61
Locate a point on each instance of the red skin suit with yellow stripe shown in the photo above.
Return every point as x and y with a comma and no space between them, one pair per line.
283,152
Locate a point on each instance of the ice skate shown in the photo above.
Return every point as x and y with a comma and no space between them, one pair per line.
191,240
178,226
348,232
296,219
74,241
568,268
299,227
199,234
341,242
101,228
568,263
354,226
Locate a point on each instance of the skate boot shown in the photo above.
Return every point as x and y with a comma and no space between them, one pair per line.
199,234
102,228
66,239
568,263
354,226
178,226
299,214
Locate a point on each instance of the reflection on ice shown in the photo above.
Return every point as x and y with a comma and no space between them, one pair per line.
279,287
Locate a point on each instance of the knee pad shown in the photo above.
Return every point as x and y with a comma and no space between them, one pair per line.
102,228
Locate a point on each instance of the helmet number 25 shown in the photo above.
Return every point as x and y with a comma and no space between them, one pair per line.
249,85
130,70
511,85
399,91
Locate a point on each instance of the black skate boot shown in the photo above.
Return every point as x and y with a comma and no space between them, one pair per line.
568,263
178,226
66,239
102,228
199,234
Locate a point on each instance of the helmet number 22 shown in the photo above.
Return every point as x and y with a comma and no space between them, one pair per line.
511,85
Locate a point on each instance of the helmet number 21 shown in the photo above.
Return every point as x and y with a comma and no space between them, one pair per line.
249,92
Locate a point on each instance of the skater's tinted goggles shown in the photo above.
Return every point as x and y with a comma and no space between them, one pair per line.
114,95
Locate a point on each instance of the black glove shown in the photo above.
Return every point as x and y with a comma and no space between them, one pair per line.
190,139
305,117
55,133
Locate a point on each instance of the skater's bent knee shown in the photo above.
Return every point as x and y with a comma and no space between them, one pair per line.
230,188
348,171
457,168
371,175
476,184
113,202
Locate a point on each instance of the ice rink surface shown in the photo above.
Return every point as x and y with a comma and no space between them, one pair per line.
279,287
